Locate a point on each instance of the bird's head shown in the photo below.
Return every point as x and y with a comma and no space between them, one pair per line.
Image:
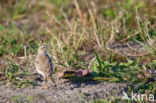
43,49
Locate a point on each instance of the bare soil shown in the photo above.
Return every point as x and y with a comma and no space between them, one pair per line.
66,92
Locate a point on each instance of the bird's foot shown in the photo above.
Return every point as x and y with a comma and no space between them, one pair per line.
54,85
44,87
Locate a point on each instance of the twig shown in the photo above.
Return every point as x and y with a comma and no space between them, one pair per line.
66,19
80,13
94,24
129,37
25,51
91,62
109,42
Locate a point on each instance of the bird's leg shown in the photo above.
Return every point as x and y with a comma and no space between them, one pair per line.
43,81
52,81
43,84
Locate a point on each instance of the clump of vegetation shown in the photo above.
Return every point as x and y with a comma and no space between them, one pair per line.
82,34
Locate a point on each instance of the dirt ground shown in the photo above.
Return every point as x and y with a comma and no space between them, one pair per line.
65,92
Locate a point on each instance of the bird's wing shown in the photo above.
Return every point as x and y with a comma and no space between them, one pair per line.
43,64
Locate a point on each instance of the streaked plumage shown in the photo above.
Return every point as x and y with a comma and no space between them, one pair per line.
43,64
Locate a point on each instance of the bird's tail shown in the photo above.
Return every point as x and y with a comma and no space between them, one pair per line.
52,81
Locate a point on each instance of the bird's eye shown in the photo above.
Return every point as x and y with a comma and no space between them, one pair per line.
43,47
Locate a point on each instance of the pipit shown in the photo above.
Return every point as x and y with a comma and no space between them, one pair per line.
44,66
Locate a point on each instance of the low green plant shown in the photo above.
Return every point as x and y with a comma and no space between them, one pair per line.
127,72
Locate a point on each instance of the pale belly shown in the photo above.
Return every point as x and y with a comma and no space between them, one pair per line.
40,72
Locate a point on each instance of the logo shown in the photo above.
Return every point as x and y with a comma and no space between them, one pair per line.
138,97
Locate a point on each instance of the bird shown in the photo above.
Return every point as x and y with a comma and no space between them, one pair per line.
44,65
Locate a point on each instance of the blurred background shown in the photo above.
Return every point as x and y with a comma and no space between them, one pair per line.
106,36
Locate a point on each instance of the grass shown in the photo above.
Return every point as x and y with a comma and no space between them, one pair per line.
80,34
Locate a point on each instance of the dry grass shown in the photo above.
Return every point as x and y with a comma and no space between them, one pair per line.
75,30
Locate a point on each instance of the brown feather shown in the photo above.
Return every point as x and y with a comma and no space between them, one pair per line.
43,64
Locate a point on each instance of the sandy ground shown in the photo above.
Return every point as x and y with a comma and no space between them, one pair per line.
65,92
